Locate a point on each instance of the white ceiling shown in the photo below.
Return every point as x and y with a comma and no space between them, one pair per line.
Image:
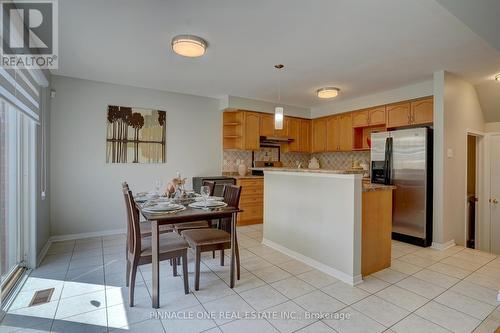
361,46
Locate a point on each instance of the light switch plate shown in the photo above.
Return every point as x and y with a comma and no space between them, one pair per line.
449,153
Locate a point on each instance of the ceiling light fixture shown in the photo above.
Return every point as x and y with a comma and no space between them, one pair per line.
497,77
327,92
278,111
189,46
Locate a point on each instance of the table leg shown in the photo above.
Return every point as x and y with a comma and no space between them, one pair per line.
156,264
233,248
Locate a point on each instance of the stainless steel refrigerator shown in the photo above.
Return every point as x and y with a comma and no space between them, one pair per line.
404,158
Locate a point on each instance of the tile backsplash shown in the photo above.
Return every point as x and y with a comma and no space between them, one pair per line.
340,160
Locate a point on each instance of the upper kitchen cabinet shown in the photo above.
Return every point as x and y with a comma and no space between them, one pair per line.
294,134
369,117
345,132
318,135
240,130
305,136
283,132
251,131
417,112
332,133
266,125
299,130
422,111
232,130
339,133
398,114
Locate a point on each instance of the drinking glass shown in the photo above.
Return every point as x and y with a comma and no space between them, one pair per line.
158,186
205,192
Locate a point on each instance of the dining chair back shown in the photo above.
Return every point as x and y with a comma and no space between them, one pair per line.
211,186
231,194
133,224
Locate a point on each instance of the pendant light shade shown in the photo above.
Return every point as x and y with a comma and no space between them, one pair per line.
278,118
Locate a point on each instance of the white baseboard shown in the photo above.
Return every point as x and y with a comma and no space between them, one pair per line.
43,252
82,235
60,238
443,246
352,280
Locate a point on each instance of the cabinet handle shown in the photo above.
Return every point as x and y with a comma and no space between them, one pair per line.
409,117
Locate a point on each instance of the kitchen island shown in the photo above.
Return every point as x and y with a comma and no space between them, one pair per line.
329,219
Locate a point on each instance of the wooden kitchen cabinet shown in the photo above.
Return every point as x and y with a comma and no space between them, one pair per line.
283,132
422,111
417,112
294,134
360,118
305,136
251,137
376,116
339,133
345,132
251,200
398,114
332,133
232,130
266,125
318,143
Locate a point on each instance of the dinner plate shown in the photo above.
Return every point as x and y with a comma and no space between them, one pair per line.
208,204
163,208
209,198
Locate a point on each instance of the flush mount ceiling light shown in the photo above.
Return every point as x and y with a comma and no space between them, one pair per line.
497,77
189,46
327,92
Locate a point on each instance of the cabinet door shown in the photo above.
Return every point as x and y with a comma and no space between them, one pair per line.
266,125
398,114
251,136
360,118
283,132
377,116
294,133
332,133
422,111
345,132
305,136
318,135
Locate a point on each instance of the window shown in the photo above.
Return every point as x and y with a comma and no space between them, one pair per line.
17,191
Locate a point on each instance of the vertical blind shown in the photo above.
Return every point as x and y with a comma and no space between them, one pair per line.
20,88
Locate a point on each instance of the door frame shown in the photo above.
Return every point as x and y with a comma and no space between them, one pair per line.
481,194
486,209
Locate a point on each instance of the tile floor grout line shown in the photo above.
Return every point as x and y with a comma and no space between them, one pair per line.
433,300
59,300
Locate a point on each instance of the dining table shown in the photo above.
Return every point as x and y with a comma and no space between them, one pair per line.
189,214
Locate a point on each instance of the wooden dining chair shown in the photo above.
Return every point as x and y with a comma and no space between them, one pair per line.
180,227
139,249
208,239
145,226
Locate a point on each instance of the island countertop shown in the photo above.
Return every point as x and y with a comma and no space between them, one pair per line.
366,186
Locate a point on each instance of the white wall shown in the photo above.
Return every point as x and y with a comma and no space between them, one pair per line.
492,127
412,91
234,102
457,103
86,192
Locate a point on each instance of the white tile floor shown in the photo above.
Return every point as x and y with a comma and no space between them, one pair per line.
423,291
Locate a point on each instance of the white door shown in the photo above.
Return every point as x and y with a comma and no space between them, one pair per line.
495,193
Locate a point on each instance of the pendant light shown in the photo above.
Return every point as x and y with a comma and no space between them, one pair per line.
278,110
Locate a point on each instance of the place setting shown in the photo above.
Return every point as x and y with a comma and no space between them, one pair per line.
207,202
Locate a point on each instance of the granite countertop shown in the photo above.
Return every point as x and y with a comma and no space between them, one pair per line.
236,175
327,171
369,187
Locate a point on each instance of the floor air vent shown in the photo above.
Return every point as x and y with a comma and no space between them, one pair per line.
42,296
